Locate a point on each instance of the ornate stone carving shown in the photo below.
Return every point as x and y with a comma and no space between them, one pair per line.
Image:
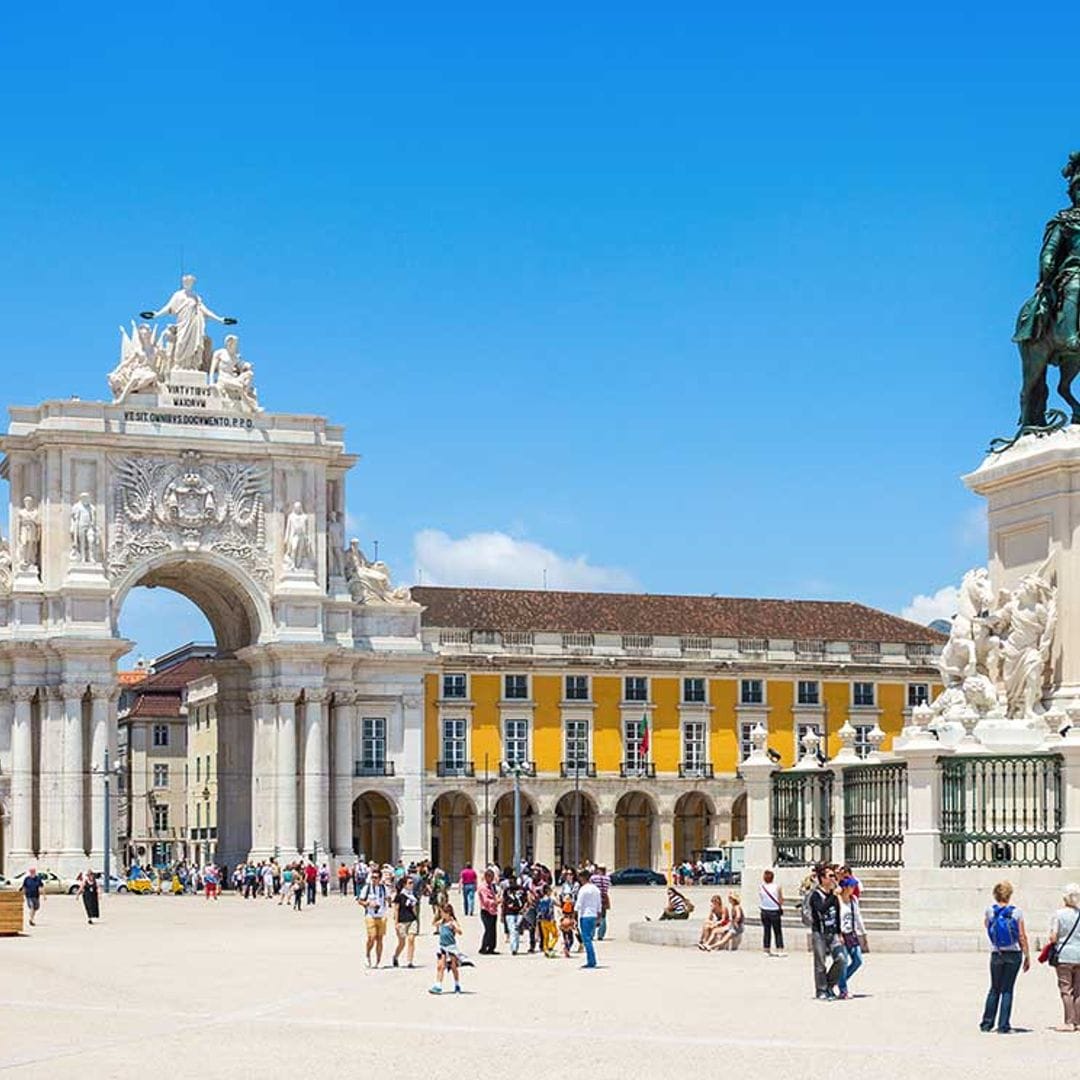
28,535
371,580
297,541
189,345
5,566
85,542
24,693
188,504
335,545
233,376
144,361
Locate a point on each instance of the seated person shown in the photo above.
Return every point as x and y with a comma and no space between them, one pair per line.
714,924
678,906
731,936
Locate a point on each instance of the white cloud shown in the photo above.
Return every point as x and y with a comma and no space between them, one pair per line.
925,609
496,559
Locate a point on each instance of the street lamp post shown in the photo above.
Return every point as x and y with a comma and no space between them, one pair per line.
577,816
106,772
515,769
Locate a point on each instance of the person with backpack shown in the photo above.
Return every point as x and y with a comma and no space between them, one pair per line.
822,908
1009,952
852,932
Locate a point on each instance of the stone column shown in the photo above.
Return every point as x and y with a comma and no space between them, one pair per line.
414,840
286,774
1069,748
479,856
344,722
316,819
545,838
102,694
922,841
74,821
264,785
665,856
757,772
22,782
605,839
50,772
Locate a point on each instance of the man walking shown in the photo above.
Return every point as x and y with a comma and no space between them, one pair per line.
311,876
602,881
375,898
829,955
588,907
31,890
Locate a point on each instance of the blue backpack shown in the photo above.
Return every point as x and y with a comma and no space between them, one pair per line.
1003,929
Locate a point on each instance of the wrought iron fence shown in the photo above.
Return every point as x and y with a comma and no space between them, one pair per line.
1004,810
801,817
875,814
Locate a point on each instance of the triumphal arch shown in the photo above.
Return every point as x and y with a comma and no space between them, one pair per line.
184,481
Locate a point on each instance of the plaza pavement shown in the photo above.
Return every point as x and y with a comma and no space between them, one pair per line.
168,986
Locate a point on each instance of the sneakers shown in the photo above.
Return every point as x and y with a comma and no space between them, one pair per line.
395,962
843,995
435,990
457,988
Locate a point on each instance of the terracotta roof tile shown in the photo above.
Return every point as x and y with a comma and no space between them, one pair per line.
632,613
156,705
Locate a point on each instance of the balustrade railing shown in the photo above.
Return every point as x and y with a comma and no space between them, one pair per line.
1001,810
875,814
801,817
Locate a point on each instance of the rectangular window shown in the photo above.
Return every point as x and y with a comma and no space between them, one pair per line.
516,687
161,776
632,754
453,686
516,742
577,742
863,746
801,730
746,744
635,688
161,734
693,691
198,770
918,693
161,816
453,744
694,744
863,693
809,692
577,687
198,815
208,767
751,692
373,742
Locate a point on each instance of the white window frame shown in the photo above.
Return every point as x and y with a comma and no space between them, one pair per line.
743,686
746,743
911,686
526,739
566,688
703,758
161,774
799,684
801,728
862,744
160,817
855,703
527,696
635,762
446,683
626,686
374,739
587,741
704,699
159,736
464,722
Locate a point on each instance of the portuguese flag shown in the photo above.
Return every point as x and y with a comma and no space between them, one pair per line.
643,736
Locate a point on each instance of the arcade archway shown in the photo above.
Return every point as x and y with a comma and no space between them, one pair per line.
453,823
636,831
374,821
575,829
502,822
694,818
738,819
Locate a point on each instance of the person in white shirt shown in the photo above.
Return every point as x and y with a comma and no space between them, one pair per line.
588,906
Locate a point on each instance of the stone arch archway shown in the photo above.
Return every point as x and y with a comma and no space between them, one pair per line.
453,826
375,827
502,823
636,831
694,820
738,819
575,829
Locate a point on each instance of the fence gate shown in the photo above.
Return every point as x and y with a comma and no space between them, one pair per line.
875,814
801,817
1001,810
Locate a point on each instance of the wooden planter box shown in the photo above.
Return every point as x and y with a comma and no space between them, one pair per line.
11,912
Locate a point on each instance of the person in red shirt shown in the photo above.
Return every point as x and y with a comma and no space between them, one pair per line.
468,882
489,913
311,877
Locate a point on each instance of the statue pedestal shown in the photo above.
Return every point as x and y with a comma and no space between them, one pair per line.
1032,492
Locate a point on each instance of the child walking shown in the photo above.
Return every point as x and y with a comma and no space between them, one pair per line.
568,926
545,916
447,955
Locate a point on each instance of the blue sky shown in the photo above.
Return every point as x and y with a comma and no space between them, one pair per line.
680,297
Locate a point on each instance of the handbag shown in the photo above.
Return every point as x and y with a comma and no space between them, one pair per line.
1054,954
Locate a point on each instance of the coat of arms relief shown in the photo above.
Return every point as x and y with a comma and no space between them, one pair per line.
188,504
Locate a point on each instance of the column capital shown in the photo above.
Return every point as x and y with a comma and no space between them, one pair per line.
104,691
72,690
316,695
23,693
261,697
412,701
346,698
285,695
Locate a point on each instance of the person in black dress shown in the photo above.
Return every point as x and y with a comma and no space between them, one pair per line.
88,890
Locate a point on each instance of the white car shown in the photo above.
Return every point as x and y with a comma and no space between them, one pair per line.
116,884
51,883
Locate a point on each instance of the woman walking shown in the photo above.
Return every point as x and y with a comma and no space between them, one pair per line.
447,955
1004,924
771,907
852,932
1064,946
88,890
489,913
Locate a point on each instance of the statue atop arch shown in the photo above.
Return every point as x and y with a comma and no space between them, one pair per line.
191,312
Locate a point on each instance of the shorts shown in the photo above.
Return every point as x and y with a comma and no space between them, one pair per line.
33,903
408,929
376,927
447,952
